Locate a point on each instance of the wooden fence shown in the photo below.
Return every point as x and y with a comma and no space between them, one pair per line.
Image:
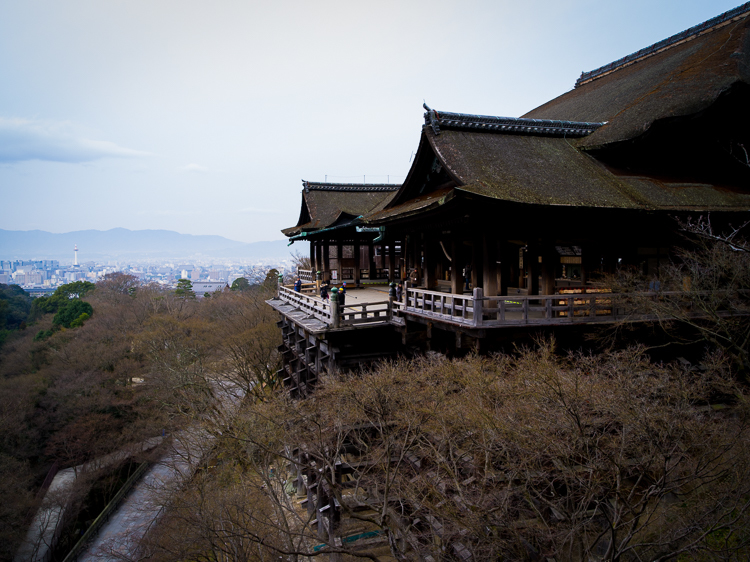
477,311
349,315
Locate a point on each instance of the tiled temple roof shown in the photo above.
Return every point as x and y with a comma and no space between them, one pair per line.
351,187
681,77
464,121
687,35
327,204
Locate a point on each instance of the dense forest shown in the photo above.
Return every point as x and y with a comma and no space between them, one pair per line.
95,368
538,453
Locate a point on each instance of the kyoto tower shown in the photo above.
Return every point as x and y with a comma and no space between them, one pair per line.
75,258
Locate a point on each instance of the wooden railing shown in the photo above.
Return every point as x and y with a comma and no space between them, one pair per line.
475,310
310,305
365,313
443,306
306,275
349,315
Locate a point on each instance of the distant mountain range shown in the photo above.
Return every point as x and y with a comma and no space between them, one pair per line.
121,243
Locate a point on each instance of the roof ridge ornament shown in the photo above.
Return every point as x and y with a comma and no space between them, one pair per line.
352,187
431,118
517,125
687,35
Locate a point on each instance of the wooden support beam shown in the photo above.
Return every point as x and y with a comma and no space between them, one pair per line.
326,261
317,357
417,254
508,264
549,268
339,253
391,261
357,259
532,254
477,251
489,267
371,258
430,263
585,257
457,280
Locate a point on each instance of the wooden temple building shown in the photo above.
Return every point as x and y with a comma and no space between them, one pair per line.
504,224
500,220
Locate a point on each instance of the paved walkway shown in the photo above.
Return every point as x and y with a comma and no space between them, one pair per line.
42,534
120,537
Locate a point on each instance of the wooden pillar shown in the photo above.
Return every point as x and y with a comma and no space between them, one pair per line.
489,266
391,261
457,279
430,264
549,268
357,258
371,258
326,261
405,254
584,273
477,251
339,252
508,264
416,261
610,259
402,267
532,254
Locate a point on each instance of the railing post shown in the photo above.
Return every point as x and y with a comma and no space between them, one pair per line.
571,308
548,307
335,315
477,307
391,298
525,309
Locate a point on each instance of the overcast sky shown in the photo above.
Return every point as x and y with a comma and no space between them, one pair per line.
203,116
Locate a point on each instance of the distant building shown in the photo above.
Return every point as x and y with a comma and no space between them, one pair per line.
200,288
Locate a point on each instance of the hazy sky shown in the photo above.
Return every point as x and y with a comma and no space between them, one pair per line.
203,116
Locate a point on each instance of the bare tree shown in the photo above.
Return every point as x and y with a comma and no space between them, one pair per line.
706,290
300,260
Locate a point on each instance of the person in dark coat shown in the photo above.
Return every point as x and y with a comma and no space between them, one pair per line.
298,285
324,291
399,292
342,295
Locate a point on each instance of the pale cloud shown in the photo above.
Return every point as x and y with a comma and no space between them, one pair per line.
26,139
197,168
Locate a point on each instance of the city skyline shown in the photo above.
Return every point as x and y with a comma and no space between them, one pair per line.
202,119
